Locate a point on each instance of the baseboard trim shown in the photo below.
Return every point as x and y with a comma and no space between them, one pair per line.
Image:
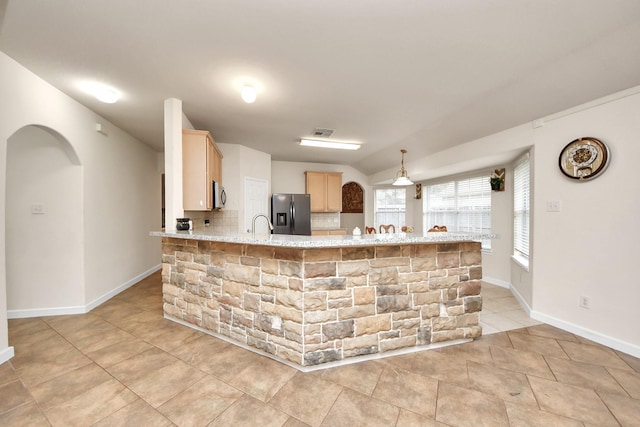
42,312
6,354
80,309
521,300
623,346
614,343
93,304
497,282
513,290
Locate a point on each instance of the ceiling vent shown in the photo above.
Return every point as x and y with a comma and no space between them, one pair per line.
322,133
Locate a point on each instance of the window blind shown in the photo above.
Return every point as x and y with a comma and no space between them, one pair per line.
390,207
521,204
461,205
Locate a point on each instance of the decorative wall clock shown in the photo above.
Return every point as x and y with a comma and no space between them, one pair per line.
584,158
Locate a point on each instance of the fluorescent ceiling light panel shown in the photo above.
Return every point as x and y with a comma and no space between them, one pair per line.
329,144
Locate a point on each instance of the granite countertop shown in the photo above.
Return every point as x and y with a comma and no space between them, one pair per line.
323,241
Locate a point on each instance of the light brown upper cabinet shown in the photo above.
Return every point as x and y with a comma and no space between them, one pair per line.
325,189
201,166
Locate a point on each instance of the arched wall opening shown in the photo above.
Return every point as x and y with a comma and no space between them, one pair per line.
44,227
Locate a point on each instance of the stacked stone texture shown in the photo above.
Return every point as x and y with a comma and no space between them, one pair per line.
317,305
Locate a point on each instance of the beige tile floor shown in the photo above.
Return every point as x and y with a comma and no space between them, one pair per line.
501,311
124,365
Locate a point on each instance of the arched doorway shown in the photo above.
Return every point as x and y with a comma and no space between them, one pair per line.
43,223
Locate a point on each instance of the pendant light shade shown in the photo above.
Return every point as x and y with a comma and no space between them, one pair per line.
401,177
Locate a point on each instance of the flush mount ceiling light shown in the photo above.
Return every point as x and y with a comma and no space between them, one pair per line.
329,144
248,94
401,176
102,92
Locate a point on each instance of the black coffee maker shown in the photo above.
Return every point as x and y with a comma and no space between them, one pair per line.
182,223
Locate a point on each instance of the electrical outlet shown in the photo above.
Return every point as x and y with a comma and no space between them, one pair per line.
585,302
37,209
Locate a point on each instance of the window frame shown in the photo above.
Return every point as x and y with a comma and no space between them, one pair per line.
402,214
522,210
481,178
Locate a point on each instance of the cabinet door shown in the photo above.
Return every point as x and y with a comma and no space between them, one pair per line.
316,185
198,164
194,172
217,165
210,171
334,192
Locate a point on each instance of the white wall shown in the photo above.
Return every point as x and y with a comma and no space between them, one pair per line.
351,221
288,177
120,187
590,248
174,122
122,191
496,265
45,250
239,162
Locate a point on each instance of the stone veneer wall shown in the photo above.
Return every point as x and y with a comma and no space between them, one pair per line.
311,306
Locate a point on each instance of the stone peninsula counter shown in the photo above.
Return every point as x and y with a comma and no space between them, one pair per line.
311,300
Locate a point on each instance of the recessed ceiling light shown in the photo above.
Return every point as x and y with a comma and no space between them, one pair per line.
102,92
329,144
248,94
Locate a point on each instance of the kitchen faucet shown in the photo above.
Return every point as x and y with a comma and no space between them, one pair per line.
253,223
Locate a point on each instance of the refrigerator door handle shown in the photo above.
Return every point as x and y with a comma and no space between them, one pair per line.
293,216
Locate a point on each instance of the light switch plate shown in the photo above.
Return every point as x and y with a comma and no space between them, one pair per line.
37,209
553,206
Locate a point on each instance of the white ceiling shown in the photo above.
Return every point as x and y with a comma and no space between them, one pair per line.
418,74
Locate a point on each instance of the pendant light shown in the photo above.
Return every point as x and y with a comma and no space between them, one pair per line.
401,177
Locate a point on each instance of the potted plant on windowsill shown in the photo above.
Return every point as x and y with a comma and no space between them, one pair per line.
497,180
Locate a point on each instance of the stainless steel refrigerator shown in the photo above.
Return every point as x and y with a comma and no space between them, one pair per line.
291,214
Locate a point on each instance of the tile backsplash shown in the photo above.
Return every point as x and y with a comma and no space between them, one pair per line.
226,220
220,221
325,220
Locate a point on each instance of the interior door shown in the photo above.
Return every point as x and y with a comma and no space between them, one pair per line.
256,201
